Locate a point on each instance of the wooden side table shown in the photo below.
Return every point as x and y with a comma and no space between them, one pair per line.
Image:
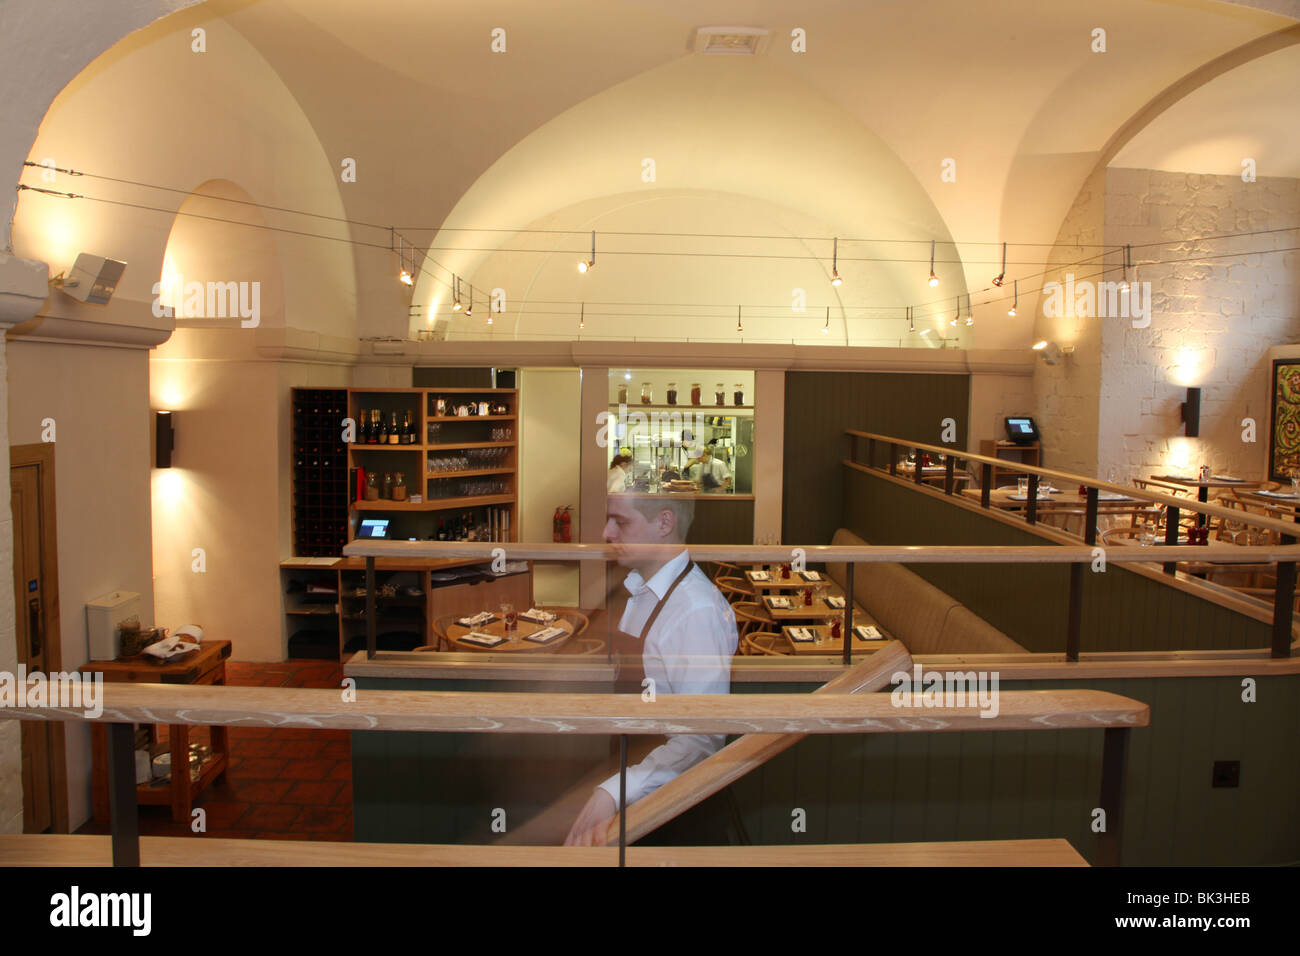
206,665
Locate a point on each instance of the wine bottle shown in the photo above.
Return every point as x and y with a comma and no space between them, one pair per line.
383,432
372,430
393,436
361,428
442,531
408,435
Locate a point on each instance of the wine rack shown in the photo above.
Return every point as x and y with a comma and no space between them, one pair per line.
320,472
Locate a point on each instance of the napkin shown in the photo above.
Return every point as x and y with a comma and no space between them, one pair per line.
835,602
546,635
537,616
868,632
170,647
810,575
1277,494
485,640
759,576
778,603
482,617
802,635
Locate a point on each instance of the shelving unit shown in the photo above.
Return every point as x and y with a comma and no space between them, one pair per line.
1026,454
491,509
320,472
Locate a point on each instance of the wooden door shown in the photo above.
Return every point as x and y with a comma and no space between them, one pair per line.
31,499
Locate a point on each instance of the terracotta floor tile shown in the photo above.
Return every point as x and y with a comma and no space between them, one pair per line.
223,814
260,791
336,750
262,747
270,816
248,733
300,749
343,771
308,769
259,768
312,791
315,819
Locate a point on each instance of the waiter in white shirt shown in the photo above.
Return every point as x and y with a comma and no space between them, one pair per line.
677,630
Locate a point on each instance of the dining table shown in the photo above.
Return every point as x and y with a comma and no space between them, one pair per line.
1203,486
494,637
765,579
824,643
796,610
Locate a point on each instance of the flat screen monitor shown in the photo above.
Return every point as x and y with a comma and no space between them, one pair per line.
1022,430
373,528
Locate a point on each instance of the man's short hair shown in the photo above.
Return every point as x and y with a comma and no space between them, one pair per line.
682,508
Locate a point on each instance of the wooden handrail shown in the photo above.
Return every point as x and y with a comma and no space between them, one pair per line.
749,752
761,553
515,713
1069,478
56,849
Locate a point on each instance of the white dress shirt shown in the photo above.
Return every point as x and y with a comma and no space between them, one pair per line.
617,480
687,651
715,467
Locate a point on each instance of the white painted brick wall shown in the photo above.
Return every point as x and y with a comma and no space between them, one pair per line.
1230,310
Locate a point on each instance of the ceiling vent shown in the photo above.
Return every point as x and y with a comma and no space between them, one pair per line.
730,41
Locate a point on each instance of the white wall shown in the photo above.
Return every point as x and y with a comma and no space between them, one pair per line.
549,464
1212,322
99,400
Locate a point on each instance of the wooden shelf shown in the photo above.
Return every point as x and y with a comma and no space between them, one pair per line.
469,474
378,447
715,409
439,504
470,418
451,391
470,444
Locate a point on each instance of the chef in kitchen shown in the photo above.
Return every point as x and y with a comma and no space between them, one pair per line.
709,472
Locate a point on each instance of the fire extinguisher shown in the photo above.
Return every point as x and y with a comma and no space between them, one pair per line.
555,525
566,523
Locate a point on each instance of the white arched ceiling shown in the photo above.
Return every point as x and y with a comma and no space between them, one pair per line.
1252,111
203,248
738,150
1012,92
152,111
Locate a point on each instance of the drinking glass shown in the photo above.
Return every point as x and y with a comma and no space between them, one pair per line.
1023,485
511,620
1148,534
1295,483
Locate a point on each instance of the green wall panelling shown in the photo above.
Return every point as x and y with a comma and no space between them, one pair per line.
819,406
1122,611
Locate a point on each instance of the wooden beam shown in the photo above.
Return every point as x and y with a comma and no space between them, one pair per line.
441,711
83,850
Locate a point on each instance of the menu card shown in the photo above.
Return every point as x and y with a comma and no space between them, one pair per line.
546,635
481,639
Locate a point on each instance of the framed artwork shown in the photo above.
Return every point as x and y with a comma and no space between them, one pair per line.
1284,433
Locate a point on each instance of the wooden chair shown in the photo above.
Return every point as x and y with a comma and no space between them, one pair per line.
1122,536
721,568
439,628
750,614
735,588
764,643
427,647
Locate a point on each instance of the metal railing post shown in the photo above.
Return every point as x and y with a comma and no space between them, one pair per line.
986,482
848,611
948,477
1031,503
1114,761
1171,536
370,608
123,815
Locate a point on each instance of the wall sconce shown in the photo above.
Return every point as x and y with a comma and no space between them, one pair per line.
1190,412
164,439
1050,352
